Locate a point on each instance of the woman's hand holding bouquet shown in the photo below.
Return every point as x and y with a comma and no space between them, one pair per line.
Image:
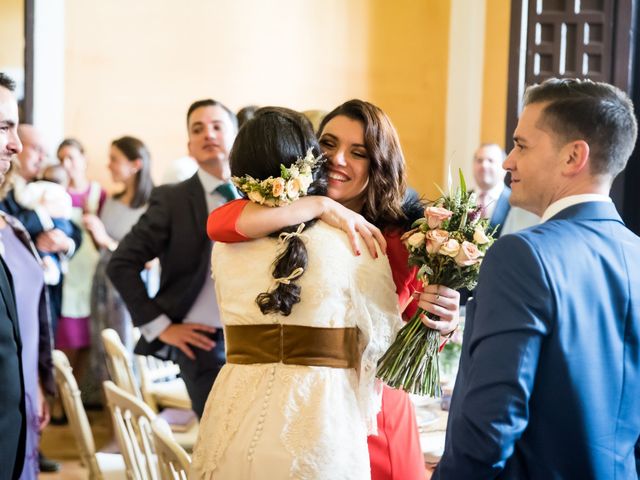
447,246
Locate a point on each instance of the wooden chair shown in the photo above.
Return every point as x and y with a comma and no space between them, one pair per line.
132,424
119,363
101,466
121,372
173,461
160,384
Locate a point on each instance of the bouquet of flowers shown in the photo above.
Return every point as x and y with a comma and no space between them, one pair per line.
447,245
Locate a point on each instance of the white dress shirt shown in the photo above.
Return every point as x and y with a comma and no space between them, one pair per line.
491,198
566,202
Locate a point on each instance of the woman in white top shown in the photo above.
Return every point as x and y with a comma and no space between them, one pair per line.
303,333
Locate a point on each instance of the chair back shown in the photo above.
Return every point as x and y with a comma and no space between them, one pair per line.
173,461
132,424
119,363
160,383
76,414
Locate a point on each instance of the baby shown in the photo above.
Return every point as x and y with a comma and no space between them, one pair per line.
49,197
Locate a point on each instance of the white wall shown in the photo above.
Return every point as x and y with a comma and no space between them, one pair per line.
48,75
464,91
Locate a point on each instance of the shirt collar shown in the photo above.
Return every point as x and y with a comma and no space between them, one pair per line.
495,192
566,202
209,182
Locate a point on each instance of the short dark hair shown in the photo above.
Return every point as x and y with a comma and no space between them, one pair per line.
7,82
272,137
596,112
208,102
135,149
385,193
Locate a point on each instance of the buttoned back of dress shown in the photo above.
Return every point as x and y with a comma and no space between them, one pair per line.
296,421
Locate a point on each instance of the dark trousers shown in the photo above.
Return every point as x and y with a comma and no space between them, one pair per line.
199,374
55,305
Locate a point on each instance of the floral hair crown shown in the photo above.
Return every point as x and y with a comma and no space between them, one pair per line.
292,183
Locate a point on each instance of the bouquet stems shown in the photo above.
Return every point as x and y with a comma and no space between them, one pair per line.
411,362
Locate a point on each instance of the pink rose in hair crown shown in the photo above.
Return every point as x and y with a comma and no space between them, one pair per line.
293,189
278,187
436,215
468,254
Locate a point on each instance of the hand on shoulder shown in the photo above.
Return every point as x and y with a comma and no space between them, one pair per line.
354,225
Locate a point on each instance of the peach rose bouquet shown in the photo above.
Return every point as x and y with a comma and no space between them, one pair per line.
447,245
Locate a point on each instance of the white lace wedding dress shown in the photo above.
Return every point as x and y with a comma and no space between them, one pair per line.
277,421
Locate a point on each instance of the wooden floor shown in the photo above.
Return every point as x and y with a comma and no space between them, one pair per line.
59,444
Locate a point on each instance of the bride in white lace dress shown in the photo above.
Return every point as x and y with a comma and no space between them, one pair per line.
298,395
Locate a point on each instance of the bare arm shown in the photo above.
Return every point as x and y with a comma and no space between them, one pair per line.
257,221
98,232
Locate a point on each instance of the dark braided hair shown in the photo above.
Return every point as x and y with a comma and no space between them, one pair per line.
272,137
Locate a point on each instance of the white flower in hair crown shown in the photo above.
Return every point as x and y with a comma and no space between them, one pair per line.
292,183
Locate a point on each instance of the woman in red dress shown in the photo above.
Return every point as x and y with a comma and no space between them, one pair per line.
366,196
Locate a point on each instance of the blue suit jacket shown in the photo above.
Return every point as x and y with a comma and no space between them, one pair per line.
501,211
549,379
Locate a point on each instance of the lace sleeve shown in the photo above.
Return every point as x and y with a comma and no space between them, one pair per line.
378,320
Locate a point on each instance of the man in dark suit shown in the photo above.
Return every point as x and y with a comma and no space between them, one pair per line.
12,406
549,379
184,313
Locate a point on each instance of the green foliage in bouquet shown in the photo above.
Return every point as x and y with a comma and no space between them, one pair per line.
447,245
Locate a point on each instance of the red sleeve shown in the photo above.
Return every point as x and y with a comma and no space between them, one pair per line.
404,276
221,224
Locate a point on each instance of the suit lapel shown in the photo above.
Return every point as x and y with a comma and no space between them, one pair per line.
6,289
198,204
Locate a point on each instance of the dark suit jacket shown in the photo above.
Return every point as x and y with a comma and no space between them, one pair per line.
549,379
12,407
173,229
30,219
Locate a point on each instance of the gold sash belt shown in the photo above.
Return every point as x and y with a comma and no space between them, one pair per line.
292,345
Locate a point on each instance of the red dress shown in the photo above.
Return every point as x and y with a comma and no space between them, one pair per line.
395,452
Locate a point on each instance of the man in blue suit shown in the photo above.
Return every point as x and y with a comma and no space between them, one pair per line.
549,379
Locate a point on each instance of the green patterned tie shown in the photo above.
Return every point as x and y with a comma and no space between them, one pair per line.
228,191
